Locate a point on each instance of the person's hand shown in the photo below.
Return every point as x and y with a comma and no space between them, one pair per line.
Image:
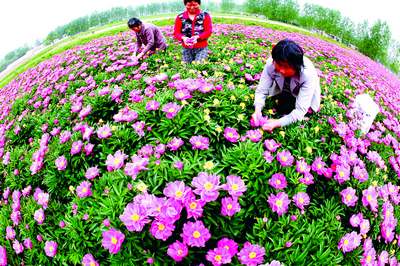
255,118
139,56
271,124
184,39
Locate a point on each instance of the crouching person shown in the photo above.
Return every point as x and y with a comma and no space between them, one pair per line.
147,35
292,80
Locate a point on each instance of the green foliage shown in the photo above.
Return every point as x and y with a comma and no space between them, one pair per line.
13,56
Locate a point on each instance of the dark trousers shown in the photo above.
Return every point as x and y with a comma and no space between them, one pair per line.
285,103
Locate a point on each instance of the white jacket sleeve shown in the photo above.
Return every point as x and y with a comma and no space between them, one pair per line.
263,88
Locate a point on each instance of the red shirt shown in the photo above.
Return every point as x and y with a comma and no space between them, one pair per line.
203,36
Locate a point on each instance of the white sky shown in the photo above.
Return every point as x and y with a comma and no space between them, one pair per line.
25,21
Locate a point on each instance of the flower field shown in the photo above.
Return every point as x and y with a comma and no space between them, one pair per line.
110,161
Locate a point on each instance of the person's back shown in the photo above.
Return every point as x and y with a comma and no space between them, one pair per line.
149,29
146,34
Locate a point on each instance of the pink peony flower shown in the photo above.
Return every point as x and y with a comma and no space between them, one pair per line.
50,248
279,203
92,172
171,109
218,256
88,260
235,186
177,251
199,142
61,163
349,197
230,206
278,181
39,216
251,255
134,217
301,199
112,240
83,190
116,161
195,234
104,132
162,229
206,186
285,158
231,134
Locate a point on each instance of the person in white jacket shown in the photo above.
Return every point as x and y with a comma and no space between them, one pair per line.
292,80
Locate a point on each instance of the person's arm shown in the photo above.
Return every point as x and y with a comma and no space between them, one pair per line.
263,88
149,34
207,28
177,29
138,44
303,102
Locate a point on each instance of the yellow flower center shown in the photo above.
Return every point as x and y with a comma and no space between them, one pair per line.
196,234
92,263
229,206
178,194
301,200
171,110
161,227
230,134
284,158
114,240
348,197
346,242
117,161
252,255
278,182
84,190
198,143
369,258
180,252
235,187
208,186
193,205
369,197
218,258
341,174
135,217
319,166
51,249
279,203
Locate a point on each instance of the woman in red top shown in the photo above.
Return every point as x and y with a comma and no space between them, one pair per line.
192,28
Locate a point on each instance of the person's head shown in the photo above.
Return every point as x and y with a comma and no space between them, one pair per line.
288,58
192,5
135,24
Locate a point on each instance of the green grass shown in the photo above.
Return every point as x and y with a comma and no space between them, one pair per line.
117,27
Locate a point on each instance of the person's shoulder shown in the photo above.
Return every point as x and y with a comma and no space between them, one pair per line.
308,65
181,15
309,71
269,64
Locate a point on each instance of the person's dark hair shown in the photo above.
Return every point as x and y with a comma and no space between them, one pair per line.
134,22
188,1
288,51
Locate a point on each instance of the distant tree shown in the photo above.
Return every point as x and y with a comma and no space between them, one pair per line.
227,5
13,56
375,41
